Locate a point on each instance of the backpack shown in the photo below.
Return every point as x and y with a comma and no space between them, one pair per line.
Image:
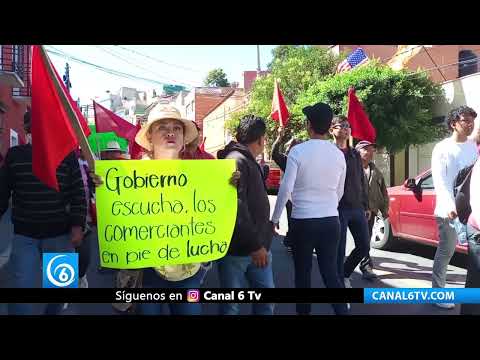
461,192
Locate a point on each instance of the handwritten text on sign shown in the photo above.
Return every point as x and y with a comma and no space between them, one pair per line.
164,212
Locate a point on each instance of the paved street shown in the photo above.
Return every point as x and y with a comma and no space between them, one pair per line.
410,266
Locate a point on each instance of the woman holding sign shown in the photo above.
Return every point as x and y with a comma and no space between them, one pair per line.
164,137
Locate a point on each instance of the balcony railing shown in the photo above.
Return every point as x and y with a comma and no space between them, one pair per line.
15,63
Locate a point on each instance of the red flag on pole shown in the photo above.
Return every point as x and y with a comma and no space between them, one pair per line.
74,105
279,108
362,128
106,121
53,137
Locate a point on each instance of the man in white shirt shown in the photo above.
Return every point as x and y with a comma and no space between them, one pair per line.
450,156
314,180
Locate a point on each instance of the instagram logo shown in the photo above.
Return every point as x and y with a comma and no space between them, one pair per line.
193,296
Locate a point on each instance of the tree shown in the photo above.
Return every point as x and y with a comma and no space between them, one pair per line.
297,68
217,78
399,103
281,52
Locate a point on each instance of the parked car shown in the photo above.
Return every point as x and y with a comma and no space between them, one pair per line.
410,215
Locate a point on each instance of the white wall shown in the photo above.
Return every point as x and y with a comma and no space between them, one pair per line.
214,123
462,91
419,159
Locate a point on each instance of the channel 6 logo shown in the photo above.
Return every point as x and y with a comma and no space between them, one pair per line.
193,296
60,270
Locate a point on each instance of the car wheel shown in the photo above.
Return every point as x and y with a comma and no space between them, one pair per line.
382,237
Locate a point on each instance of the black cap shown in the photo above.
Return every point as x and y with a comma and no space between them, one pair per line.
320,116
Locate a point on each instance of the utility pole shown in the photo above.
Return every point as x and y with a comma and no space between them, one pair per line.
258,60
66,77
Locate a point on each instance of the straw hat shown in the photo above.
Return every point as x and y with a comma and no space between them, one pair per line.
160,112
113,146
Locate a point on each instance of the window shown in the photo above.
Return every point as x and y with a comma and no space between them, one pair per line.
427,183
468,63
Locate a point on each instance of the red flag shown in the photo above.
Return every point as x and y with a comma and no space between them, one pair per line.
135,150
53,137
106,121
74,105
362,128
279,108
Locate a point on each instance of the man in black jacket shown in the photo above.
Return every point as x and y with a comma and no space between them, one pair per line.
249,258
45,221
353,207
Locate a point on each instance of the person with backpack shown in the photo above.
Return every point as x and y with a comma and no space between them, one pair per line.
449,157
472,198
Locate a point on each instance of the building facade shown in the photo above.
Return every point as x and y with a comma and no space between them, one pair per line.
214,131
15,93
456,67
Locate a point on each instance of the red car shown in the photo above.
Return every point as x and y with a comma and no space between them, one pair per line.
410,215
273,180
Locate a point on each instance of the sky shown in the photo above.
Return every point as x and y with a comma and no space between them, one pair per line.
172,64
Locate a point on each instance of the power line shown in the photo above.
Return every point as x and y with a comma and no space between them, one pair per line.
403,52
444,66
158,60
116,55
104,69
229,112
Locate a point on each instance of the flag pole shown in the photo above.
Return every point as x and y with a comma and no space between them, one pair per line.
98,145
72,116
350,138
96,133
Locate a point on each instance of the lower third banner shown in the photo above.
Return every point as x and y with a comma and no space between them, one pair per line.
104,295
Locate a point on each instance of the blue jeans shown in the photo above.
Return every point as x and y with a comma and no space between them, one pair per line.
152,280
356,221
323,235
235,271
25,266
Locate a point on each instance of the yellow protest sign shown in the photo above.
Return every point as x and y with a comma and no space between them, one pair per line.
164,212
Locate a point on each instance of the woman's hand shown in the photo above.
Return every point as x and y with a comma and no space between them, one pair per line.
235,179
96,179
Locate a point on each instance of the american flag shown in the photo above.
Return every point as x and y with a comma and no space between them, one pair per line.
356,58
